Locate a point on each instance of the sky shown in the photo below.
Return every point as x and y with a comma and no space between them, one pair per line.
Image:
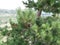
11,4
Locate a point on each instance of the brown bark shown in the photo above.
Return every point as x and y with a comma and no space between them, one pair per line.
38,13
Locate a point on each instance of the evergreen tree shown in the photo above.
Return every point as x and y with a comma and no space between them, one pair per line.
44,5
26,32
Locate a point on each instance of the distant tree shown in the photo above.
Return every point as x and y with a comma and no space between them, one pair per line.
44,5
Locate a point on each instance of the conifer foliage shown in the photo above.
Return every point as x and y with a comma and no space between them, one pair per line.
44,5
27,32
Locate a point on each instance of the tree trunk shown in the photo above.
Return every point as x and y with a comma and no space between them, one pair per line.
38,16
38,13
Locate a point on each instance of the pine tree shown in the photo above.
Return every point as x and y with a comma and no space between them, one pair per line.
44,5
26,32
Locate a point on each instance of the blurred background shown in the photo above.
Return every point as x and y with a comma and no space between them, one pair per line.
29,22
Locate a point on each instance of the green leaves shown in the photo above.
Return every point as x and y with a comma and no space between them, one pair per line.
30,3
44,5
29,30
